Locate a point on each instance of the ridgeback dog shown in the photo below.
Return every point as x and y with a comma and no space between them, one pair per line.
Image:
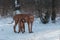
27,18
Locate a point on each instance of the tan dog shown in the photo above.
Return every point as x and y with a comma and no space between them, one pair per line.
27,17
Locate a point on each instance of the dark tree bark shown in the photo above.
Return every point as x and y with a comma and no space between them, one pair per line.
17,5
53,11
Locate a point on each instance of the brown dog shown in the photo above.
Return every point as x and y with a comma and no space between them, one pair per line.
27,17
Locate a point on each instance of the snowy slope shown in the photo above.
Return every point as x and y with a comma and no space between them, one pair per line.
50,31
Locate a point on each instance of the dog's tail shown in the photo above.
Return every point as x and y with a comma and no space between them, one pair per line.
11,22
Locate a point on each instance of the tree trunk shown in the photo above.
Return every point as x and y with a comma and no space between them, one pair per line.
53,11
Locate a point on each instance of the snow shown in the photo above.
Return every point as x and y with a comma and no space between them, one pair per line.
50,31
18,12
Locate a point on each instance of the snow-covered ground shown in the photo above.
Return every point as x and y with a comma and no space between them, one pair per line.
50,31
